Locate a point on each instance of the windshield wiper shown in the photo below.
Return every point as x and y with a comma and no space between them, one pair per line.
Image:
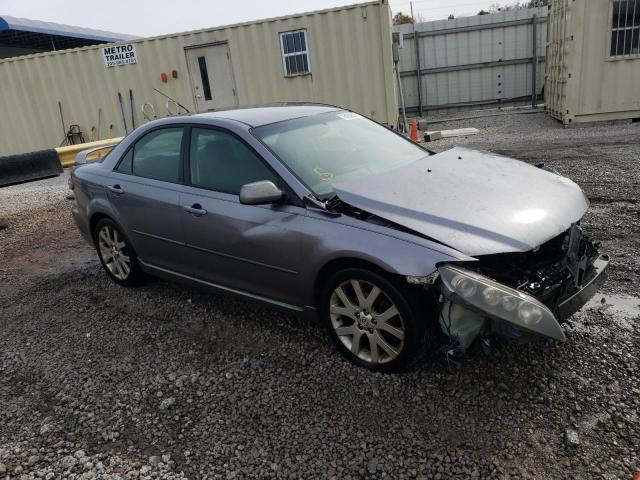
325,206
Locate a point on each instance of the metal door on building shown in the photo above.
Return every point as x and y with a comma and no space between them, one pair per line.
211,77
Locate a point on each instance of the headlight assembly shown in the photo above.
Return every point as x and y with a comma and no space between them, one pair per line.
499,301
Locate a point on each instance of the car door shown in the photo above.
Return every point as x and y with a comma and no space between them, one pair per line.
143,190
253,249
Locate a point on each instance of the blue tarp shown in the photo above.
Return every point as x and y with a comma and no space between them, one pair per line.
49,28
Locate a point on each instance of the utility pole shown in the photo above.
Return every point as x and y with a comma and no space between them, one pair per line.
416,44
534,63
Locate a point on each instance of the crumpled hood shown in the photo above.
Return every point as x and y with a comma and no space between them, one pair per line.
478,203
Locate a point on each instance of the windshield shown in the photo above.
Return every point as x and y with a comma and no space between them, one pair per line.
337,147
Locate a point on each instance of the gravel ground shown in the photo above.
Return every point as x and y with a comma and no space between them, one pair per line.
162,381
26,197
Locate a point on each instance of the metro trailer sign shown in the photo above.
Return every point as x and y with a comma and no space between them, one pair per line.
119,55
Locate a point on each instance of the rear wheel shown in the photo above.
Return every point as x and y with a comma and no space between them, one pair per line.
116,254
373,322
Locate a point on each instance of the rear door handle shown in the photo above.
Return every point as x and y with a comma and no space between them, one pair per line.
116,189
195,209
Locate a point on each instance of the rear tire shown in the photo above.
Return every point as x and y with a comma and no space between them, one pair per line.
374,321
116,254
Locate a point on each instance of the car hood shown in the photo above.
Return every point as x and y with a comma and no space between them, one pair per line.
478,203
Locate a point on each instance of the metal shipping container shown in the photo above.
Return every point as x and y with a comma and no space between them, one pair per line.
593,60
470,62
340,56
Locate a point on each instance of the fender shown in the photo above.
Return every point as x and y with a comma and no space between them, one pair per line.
393,251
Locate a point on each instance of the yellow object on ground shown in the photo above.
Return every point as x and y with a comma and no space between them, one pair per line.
67,155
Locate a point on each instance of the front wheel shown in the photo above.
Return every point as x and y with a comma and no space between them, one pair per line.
372,322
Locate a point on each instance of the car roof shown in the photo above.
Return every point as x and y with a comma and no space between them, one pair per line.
258,116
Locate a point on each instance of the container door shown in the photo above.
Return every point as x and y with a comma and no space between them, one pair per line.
211,77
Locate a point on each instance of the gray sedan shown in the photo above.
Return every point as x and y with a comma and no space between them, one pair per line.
320,211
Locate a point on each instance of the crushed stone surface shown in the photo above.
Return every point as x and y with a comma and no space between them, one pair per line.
162,381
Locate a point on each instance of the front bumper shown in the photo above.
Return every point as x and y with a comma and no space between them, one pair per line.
489,299
594,278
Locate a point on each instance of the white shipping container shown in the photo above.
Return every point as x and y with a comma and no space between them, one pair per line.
593,60
339,56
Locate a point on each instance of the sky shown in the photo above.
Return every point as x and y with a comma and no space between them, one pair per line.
156,17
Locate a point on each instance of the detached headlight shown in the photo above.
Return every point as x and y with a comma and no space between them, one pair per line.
500,302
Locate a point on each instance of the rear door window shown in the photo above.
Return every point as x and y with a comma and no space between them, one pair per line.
156,155
125,164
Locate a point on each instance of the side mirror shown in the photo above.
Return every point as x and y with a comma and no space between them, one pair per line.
260,193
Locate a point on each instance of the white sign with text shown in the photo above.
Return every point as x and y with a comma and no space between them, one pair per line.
119,55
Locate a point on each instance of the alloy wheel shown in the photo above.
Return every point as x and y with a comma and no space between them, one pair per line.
367,321
113,250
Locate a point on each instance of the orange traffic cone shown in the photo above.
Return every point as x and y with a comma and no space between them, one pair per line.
414,130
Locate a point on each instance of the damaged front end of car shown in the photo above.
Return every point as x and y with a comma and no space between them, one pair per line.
528,264
519,295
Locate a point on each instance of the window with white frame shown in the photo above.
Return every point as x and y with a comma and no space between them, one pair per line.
625,28
295,53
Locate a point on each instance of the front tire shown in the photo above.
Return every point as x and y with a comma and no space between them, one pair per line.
374,322
116,254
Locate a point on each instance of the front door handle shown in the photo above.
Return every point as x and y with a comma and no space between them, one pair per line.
116,189
195,209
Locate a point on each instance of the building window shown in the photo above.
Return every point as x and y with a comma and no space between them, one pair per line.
295,53
204,75
625,28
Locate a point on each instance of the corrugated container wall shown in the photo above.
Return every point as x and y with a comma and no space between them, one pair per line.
474,61
587,80
349,54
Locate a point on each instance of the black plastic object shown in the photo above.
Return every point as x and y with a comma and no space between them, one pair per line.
75,135
29,166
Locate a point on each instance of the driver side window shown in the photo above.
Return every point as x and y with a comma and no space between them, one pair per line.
221,162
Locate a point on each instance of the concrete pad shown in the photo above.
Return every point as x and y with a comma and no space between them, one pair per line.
459,132
431,136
